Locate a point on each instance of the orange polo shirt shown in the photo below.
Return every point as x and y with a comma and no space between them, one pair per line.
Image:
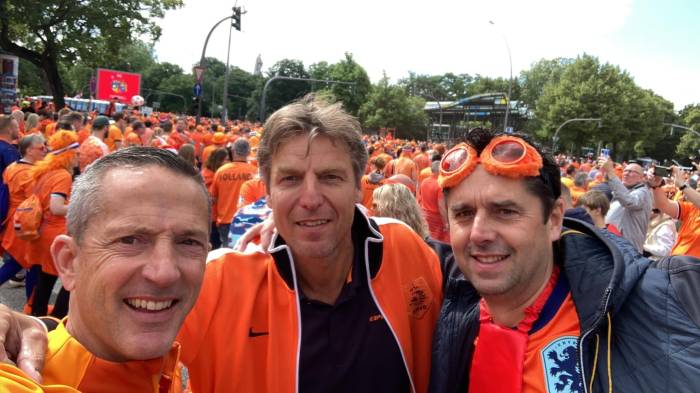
226,187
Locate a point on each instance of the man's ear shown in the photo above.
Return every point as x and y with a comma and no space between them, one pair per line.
556,220
64,251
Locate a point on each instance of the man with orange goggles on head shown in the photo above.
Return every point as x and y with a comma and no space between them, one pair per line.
550,304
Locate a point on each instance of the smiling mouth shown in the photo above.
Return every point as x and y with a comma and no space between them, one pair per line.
489,259
312,223
143,305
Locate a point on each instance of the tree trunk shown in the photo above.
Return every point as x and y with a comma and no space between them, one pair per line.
50,67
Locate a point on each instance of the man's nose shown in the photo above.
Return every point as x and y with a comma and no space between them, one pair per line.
162,269
482,228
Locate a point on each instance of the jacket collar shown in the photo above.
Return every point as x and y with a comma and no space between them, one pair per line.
366,238
601,268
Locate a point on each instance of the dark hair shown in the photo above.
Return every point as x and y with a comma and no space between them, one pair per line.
546,186
118,116
137,125
86,193
187,153
167,126
216,159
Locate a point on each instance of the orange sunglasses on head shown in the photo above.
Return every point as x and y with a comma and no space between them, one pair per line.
505,155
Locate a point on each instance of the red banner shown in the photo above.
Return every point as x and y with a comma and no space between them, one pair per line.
117,85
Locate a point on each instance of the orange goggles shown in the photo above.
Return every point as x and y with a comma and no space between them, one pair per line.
505,155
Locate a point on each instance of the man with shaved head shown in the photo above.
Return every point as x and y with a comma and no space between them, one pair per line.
631,206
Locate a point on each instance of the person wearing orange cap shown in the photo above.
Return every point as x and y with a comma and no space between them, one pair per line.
218,141
547,303
53,178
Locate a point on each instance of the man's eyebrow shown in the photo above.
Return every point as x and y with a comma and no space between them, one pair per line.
506,204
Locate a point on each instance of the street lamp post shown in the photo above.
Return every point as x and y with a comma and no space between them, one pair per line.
682,128
289,78
556,133
235,16
510,80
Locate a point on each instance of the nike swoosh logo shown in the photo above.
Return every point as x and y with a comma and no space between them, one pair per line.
251,333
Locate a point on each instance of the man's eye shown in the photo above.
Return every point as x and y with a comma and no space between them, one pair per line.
128,240
191,242
507,212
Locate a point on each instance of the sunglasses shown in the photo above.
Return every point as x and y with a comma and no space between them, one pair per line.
505,155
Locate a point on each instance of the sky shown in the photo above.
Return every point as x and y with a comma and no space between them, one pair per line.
656,42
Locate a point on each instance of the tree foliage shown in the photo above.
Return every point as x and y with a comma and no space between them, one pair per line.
51,32
390,106
689,145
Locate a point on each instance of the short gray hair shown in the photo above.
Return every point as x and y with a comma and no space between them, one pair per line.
85,201
315,117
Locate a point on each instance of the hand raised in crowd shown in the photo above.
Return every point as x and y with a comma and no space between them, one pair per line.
607,165
23,341
678,176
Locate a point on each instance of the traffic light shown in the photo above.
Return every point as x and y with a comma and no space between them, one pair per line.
236,19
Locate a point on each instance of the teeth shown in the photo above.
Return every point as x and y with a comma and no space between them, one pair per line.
491,259
312,223
149,304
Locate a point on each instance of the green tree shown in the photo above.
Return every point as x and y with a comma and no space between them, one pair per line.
179,84
50,32
352,96
689,145
390,106
280,92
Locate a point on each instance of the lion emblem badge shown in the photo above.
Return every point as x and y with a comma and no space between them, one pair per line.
561,370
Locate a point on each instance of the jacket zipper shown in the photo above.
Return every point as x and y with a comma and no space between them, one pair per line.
584,336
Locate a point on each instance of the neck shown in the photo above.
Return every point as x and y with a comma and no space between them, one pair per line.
598,221
323,279
509,310
77,329
98,134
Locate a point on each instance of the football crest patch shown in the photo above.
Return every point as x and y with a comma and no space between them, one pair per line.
561,370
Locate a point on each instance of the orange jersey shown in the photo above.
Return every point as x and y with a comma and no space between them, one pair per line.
688,240
226,187
430,195
576,192
19,183
55,182
550,356
114,136
251,191
69,363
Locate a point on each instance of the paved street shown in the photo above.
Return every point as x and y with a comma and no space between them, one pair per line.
14,296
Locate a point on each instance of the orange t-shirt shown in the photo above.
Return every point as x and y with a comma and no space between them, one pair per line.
226,187
19,183
688,240
550,356
429,197
251,191
114,135
208,177
55,182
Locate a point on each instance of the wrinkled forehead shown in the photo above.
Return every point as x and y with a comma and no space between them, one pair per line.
634,168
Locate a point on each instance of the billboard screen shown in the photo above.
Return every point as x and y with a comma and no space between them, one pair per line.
117,84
